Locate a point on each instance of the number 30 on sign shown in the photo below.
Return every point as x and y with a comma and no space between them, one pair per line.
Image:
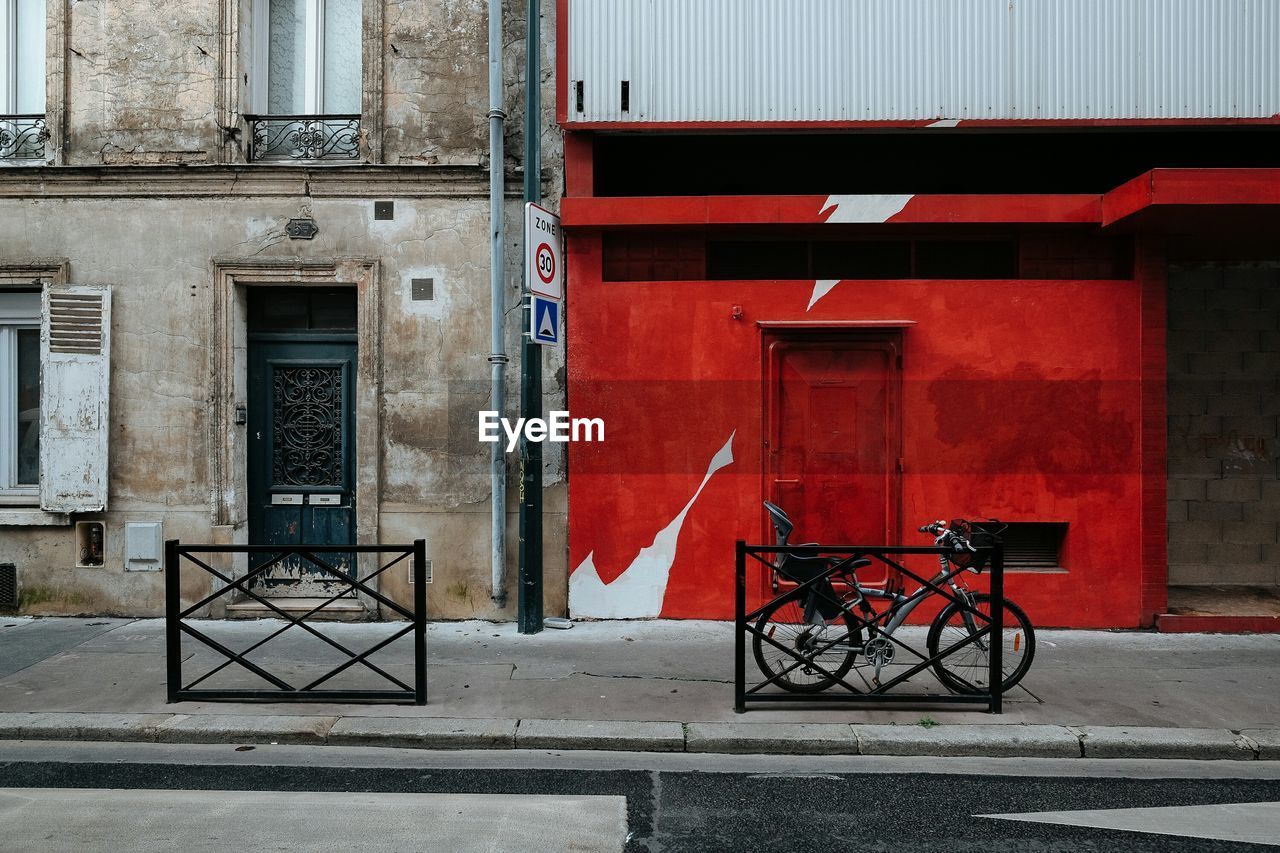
543,271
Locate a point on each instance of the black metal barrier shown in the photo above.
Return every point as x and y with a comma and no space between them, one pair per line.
819,585
175,553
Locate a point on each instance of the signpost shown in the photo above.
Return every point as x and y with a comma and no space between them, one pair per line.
529,602
542,244
543,273
542,265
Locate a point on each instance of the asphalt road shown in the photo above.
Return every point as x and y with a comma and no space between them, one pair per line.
672,803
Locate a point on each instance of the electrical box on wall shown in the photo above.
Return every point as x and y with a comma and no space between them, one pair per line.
143,546
91,544
426,570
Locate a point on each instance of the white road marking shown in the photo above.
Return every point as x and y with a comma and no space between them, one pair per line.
1254,823
38,820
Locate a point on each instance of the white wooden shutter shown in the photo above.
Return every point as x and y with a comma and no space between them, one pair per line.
75,348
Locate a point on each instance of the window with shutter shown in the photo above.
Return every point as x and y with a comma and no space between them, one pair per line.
75,336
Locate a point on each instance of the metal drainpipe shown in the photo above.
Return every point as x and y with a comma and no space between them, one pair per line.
497,305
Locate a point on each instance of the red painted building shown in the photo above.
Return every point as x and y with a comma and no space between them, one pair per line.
910,315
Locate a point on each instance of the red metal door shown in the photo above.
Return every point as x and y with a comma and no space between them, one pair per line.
834,438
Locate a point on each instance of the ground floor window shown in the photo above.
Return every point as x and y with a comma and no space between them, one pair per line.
20,394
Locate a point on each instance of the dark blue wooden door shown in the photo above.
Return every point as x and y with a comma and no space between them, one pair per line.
301,452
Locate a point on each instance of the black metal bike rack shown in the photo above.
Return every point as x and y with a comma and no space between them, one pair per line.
992,625
176,554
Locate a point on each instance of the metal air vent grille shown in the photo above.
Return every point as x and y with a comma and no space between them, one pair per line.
8,586
1033,546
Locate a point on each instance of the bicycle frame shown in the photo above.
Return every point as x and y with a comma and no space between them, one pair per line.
901,605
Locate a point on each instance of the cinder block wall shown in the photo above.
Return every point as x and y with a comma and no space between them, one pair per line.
1224,398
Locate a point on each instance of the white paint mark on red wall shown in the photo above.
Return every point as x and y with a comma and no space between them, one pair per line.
861,209
875,209
639,591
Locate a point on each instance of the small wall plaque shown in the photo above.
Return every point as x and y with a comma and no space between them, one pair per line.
423,289
301,229
384,210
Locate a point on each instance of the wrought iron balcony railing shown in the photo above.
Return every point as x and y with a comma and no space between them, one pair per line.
304,138
23,137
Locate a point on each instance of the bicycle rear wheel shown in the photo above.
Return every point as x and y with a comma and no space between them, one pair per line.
832,646
968,669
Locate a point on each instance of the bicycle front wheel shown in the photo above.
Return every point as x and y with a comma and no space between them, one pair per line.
968,669
831,646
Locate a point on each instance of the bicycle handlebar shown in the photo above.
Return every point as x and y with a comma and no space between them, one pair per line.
944,534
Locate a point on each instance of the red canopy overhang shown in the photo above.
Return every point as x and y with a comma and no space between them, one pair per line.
1195,200
1161,200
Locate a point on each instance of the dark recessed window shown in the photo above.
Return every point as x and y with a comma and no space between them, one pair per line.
692,256
915,161
966,259
862,259
759,259
298,309
334,309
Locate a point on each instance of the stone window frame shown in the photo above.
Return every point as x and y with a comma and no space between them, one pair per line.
233,98
228,379
57,80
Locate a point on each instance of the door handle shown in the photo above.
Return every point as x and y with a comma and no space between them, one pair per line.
786,482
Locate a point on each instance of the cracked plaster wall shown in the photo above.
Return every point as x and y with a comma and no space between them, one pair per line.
142,78
435,90
434,377
145,78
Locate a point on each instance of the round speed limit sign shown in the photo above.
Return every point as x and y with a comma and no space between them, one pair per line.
545,263
544,268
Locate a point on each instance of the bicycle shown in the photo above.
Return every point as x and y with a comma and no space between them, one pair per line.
824,627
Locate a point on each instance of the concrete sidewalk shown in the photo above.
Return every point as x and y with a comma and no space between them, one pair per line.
650,686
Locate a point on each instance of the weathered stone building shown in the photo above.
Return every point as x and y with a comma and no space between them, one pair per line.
182,140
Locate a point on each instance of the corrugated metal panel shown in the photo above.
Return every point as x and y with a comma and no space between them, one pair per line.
888,60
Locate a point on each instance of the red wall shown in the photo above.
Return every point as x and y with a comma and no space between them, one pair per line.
1022,400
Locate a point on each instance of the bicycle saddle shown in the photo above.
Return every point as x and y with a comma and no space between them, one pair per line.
815,553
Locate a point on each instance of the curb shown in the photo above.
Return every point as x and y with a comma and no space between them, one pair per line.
996,740
609,735
772,738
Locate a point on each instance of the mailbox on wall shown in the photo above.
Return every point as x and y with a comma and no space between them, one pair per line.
143,546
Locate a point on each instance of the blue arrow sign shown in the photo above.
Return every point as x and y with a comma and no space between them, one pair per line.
545,317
